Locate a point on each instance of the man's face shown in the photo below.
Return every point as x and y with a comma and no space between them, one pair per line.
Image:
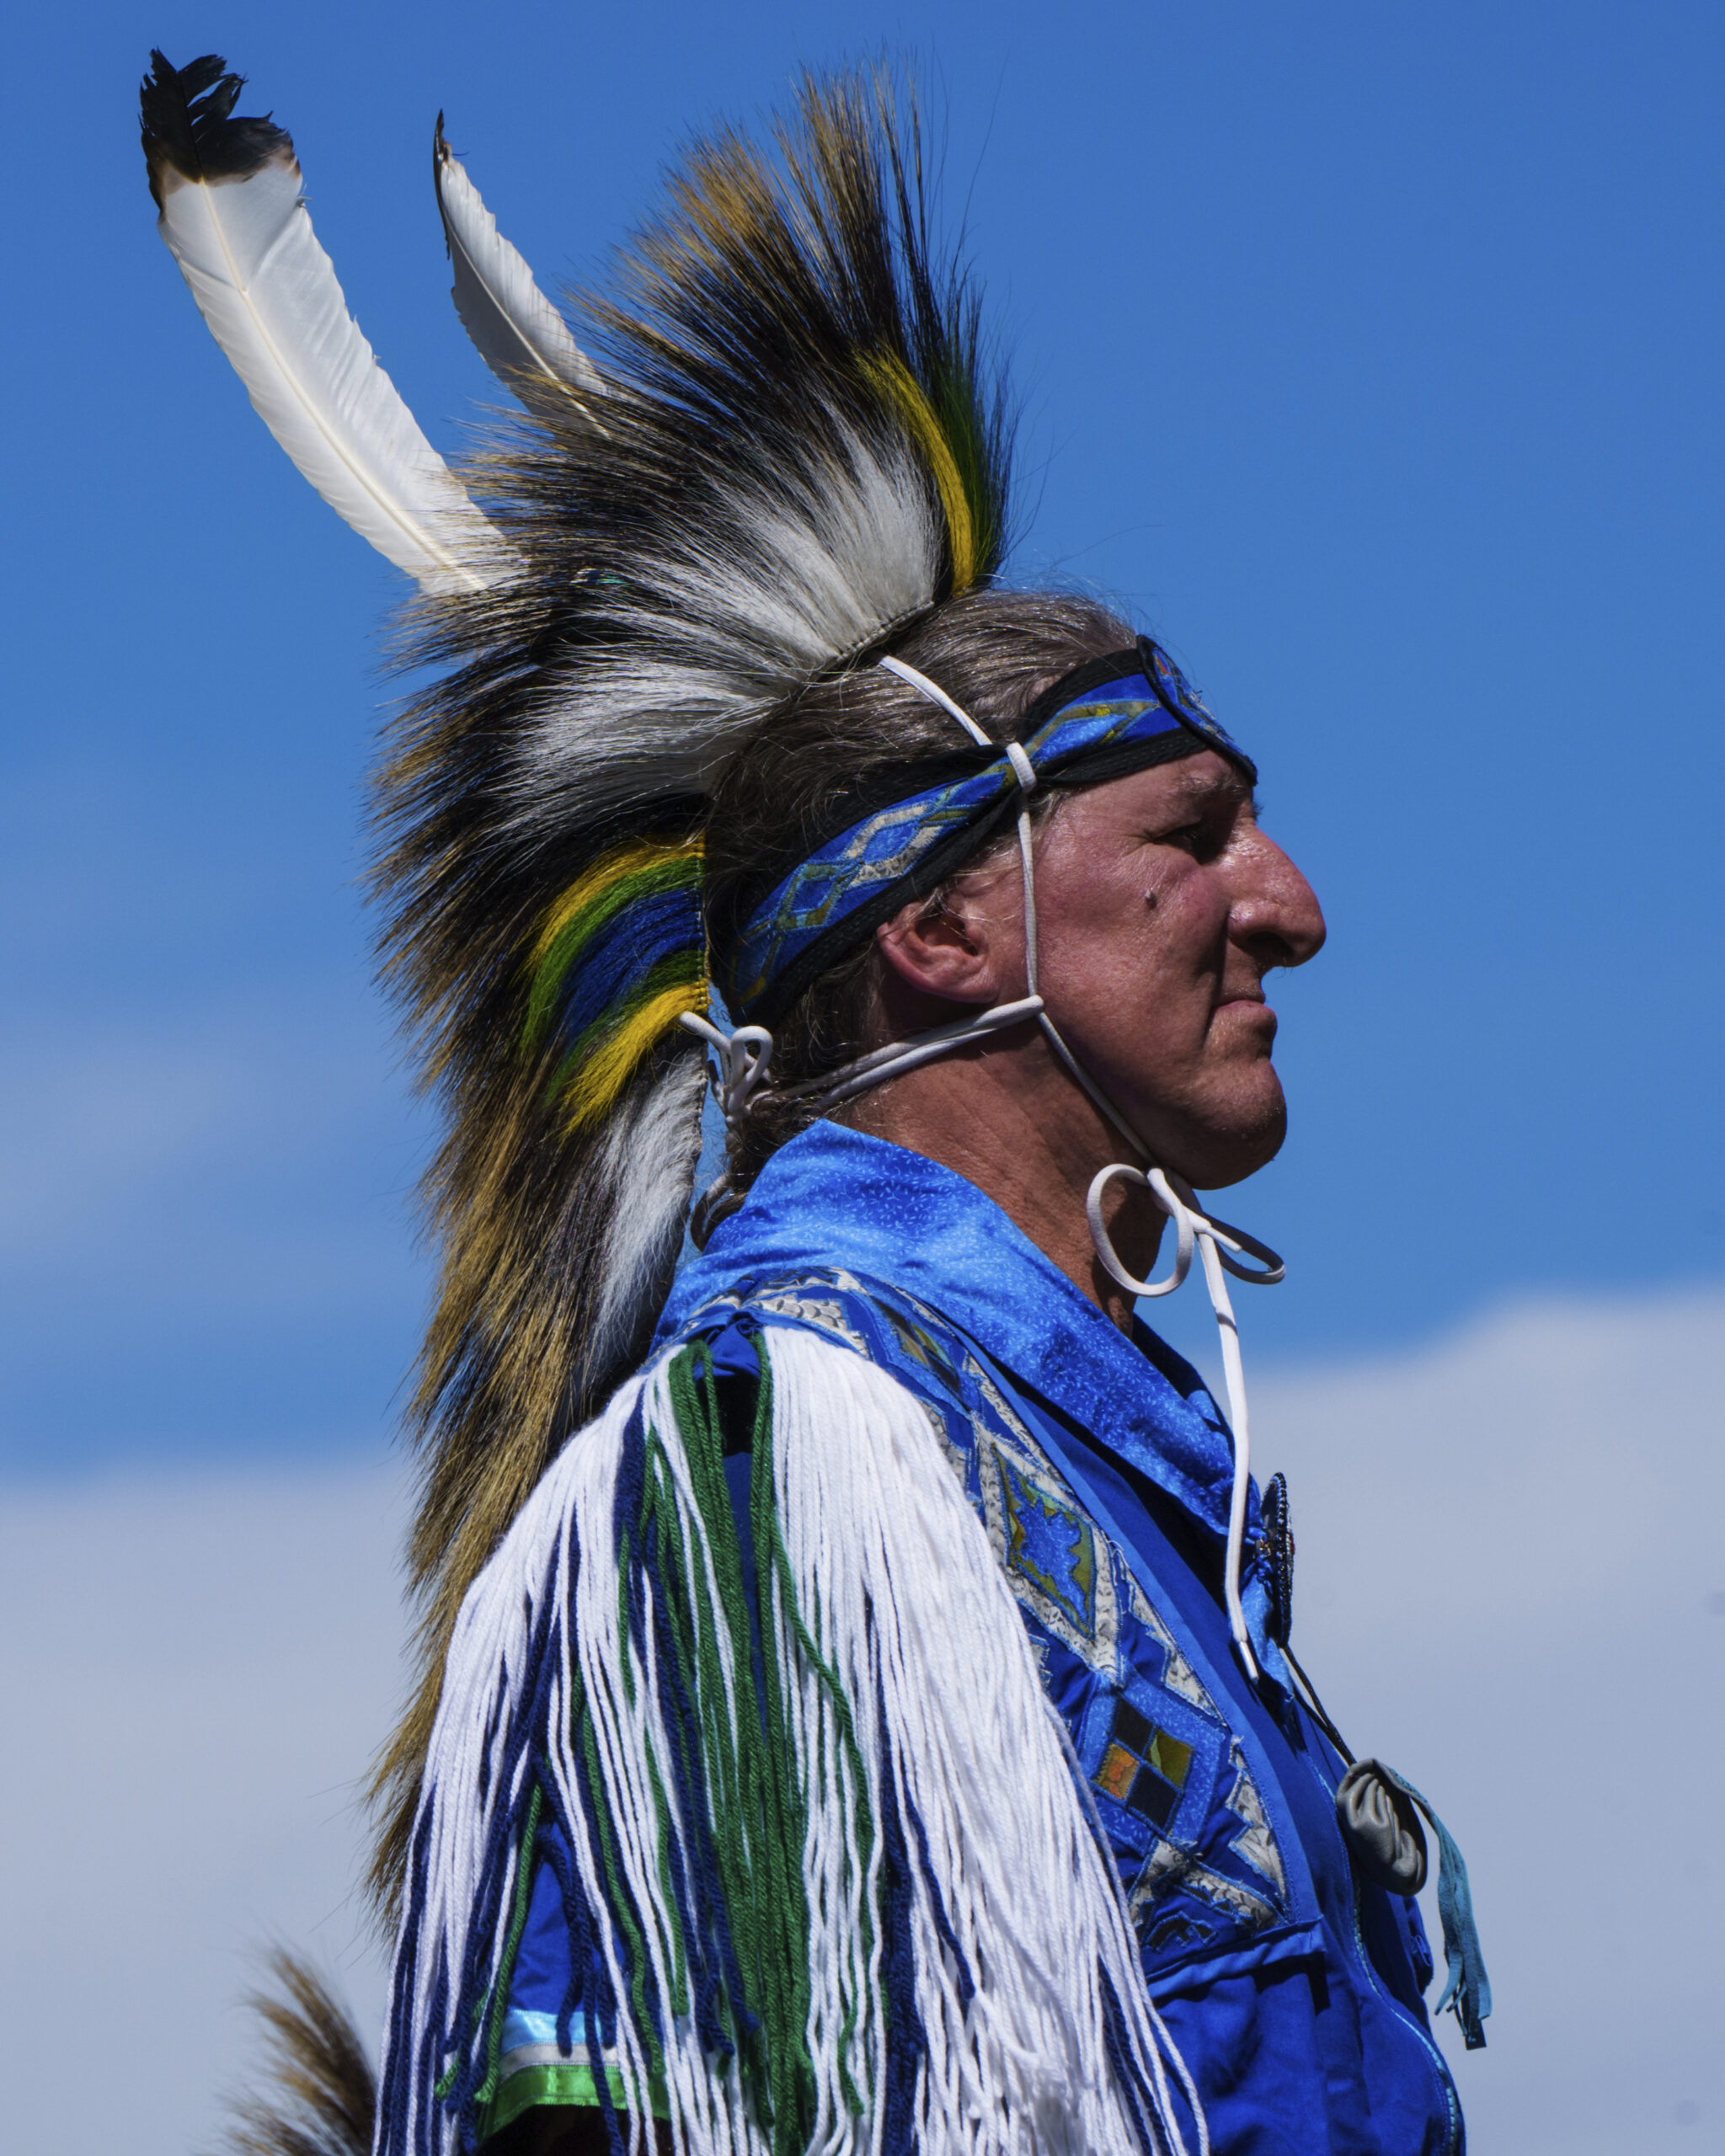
1161,907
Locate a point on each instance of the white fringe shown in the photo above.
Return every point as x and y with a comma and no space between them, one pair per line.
895,1579
487,1681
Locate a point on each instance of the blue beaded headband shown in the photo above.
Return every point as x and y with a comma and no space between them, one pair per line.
1112,716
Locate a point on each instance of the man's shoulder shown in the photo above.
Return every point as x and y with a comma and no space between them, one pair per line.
867,1316
987,1430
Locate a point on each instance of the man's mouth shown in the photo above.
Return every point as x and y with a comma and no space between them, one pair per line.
1248,1008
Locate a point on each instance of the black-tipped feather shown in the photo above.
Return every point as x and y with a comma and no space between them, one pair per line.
185,121
516,329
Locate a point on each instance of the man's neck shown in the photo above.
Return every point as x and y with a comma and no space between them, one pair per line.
1007,1118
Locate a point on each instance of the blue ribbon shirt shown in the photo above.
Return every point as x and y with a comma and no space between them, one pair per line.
1100,1467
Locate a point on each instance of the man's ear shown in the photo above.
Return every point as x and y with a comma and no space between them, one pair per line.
945,950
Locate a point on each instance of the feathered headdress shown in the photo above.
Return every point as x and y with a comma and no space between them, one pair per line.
788,448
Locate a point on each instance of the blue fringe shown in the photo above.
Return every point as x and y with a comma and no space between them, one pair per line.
906,2037
1140,2103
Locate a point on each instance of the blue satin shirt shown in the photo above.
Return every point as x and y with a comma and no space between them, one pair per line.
1101,1467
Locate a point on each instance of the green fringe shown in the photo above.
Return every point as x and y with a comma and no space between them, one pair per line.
759,1819
759,1814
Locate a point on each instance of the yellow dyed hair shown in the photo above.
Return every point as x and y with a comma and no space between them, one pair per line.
887,372
600,1078
629,859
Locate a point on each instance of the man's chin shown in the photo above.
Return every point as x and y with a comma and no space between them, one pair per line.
1217,1150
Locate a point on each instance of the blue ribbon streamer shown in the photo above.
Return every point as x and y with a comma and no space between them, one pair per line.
1467,1990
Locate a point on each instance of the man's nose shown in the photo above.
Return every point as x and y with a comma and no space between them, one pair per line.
1276,914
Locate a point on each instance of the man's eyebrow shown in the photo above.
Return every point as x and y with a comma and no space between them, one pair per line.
1201,789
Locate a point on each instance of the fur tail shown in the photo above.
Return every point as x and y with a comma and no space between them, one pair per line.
322,2100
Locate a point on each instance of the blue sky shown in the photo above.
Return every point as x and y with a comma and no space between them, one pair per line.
1371,354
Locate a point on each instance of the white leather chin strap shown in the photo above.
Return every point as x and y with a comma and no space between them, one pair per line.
744,1057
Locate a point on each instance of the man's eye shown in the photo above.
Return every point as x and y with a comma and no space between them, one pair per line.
1191,838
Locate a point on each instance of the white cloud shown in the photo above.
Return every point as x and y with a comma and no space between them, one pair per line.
1509,1558
1508,1583
196,1674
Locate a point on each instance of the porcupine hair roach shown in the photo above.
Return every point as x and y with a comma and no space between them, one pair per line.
801,453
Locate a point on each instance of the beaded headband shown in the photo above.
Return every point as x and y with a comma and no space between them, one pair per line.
1112,716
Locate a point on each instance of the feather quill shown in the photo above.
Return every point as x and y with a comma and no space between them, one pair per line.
234,219
520,334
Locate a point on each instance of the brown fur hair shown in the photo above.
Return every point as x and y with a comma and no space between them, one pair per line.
322,2098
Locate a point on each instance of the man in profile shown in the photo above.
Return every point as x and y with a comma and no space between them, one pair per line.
858,1711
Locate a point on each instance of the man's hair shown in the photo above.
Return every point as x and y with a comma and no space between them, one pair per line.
994,653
